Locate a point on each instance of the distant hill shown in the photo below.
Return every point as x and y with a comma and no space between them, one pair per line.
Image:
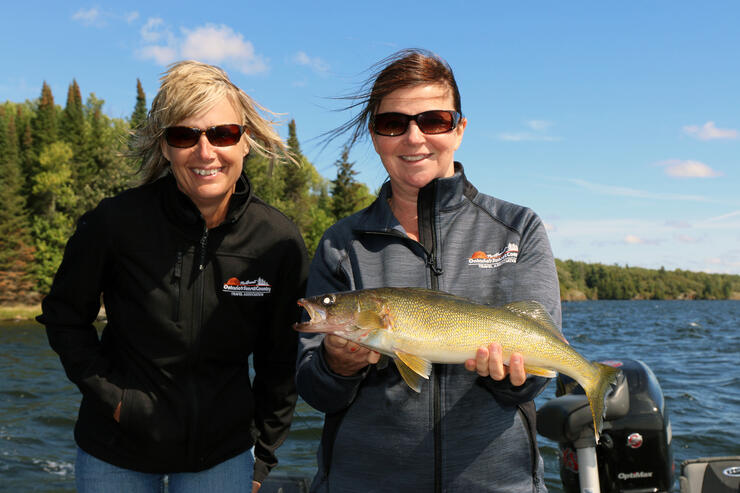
584,281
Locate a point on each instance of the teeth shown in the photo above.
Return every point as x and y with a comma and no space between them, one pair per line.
205,172
414,158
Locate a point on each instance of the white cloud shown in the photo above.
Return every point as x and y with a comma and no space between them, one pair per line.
633,240
539,133
538,124
709,131
526,136
131,16
220,44
162,55
89,17
150,32
688,169
315,63
209,43
634,192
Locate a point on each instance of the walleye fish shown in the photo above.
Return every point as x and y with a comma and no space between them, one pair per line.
417,327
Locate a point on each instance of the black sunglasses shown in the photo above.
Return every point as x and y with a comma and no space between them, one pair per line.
429,122
219,136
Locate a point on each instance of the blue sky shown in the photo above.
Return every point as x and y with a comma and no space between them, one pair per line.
618,123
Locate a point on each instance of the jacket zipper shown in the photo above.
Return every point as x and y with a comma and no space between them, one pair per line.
176,277
428,239
193,357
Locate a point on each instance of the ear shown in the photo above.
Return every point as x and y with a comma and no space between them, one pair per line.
460,130
165,149
373,135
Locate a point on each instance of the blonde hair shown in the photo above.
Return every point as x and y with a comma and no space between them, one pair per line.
189,88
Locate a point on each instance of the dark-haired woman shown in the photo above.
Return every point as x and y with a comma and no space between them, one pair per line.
472,426
197,274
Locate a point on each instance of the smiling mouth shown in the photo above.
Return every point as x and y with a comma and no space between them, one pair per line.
206,172
415,157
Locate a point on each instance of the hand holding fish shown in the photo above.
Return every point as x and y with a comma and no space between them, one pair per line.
489,361
347,358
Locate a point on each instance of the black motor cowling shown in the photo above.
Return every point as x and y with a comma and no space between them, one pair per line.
634,450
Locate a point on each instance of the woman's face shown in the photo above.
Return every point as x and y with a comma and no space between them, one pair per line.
206,173
414,159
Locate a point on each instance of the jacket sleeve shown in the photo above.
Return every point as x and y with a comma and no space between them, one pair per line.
537,279
71,307
274,361
320,387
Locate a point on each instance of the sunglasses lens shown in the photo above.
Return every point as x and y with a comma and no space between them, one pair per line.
436,122
224,135
391,124
181,136
219,136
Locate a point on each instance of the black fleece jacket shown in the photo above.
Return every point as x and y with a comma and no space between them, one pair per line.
186,307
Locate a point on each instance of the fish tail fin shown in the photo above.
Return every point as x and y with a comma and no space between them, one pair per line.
596,391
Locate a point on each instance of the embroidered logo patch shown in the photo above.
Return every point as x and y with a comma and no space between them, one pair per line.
485,260
235,287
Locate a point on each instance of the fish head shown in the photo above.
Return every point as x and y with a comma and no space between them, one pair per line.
349,315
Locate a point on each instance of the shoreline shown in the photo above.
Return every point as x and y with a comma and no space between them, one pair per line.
28,313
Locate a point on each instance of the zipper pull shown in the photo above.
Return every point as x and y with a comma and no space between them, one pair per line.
203,243
177,274
433,265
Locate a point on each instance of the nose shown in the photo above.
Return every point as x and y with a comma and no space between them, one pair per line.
413,134
205,148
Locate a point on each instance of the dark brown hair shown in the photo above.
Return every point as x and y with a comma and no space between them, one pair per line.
404,68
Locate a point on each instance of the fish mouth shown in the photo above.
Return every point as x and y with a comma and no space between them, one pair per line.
317,317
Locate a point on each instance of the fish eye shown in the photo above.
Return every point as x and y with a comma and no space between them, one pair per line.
328,300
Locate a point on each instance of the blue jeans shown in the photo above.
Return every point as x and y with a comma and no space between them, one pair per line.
93,475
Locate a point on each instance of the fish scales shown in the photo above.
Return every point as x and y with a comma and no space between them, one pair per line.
417,327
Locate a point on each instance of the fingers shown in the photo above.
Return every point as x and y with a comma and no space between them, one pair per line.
517,375
489,362
346,357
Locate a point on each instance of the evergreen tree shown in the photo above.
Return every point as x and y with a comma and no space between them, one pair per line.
72,124
44,124
344,188
295,180
138,117
16,252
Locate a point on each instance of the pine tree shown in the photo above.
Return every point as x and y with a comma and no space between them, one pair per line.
44,124
16,252
138,117
348,195
72,124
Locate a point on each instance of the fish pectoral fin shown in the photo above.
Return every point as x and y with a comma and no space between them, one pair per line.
370,320
409,376
540,372
417,364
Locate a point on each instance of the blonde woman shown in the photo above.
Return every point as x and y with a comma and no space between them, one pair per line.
197,274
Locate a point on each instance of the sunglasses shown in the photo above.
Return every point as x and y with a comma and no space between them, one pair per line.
219,136
429,122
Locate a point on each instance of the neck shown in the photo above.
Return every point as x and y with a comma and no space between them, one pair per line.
404,209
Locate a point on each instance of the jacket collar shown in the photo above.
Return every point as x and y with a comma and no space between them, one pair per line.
439,194
181,210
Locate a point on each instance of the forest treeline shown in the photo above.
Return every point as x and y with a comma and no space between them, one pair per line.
58,162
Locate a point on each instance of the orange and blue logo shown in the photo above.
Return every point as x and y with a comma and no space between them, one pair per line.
258,287
483,260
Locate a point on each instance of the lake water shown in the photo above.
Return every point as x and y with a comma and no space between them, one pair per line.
692,346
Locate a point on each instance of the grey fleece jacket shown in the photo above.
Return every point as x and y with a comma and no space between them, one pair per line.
462,433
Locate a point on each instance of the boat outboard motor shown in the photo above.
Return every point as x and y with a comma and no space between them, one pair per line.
634,450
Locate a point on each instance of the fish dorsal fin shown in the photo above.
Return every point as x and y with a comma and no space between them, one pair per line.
535,311
417,364
411,377
370,320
